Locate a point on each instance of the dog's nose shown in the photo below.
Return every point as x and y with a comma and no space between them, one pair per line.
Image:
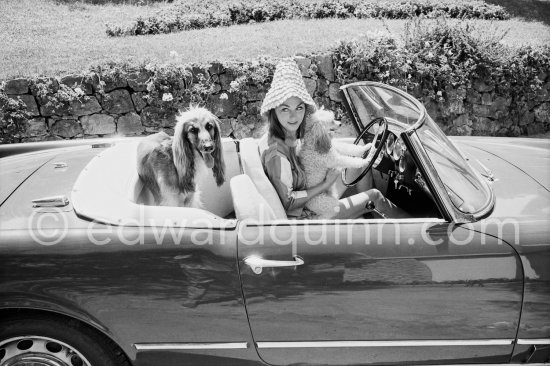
337,123
208,147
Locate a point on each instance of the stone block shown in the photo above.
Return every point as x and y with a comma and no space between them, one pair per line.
248,126
483,125
216,68
199,73
543,95
535,128
462,120
137,81
481,86
311,86
17,86
130,124
255,93
36,127
139,101
226,79
86,106
29,102
221,106
334,92
155,117
526,118
322,87
98,124
226,127
456,106
118,101
43,87
486,99
325,67
303,64
66,128
473,97
501,103
253,108
542,113
114,82
78,81
481,110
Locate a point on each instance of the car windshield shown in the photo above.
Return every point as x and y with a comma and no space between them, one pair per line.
372,101
465,187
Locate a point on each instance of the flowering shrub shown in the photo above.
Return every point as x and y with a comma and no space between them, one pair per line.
199,14
13,119
436,62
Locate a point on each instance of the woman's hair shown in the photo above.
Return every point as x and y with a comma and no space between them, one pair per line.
277,130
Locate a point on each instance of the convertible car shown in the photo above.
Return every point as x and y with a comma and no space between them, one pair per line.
92,273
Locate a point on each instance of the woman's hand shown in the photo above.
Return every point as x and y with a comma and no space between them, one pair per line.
367,147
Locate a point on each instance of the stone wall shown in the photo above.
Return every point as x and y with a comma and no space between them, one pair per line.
106,107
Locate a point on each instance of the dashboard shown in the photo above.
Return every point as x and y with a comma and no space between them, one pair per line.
404,184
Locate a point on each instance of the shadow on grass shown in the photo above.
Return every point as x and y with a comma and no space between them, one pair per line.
537,10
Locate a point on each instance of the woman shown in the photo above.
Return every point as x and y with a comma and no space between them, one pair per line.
286,105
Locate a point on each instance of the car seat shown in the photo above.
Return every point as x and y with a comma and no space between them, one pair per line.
254,197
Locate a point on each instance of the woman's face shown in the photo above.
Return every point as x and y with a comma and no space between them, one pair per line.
291,113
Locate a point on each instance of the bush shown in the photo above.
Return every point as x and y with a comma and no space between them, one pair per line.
439,63
13,119
185,15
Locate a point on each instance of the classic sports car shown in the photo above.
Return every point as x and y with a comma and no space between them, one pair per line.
91,273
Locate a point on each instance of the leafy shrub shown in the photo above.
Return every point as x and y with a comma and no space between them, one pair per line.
13,119
185,15
435,62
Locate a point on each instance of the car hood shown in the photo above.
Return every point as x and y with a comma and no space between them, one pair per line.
520,172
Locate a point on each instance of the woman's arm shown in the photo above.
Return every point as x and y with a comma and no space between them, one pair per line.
279,172
351,149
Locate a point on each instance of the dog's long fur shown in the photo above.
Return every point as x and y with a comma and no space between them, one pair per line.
319,154
170,166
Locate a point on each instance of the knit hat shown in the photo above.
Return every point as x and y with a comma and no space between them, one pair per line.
287,82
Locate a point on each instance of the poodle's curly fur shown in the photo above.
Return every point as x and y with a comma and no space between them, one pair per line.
319,154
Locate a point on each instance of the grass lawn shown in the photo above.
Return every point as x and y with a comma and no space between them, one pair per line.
42,38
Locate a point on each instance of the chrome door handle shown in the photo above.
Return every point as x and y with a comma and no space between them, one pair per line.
257,263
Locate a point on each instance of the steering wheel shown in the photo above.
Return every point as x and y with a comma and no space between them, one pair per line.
380,136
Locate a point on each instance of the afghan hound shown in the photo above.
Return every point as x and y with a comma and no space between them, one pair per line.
170,166
319,154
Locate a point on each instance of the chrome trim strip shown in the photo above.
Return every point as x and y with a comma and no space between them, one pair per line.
534,341
188,346
493,364
288,222
421,343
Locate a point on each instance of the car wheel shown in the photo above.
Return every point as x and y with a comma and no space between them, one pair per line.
41,341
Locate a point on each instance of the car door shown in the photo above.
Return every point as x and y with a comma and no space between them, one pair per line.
378,291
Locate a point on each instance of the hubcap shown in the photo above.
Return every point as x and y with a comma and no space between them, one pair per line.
39,351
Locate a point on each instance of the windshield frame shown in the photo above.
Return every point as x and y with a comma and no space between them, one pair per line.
424,163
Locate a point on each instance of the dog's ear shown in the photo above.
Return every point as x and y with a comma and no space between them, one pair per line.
322,138
184,155
219,162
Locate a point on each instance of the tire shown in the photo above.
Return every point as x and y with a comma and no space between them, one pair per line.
50,341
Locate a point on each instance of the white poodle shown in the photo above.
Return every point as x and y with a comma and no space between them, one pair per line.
319,154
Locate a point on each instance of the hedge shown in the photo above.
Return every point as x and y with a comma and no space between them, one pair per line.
197,14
